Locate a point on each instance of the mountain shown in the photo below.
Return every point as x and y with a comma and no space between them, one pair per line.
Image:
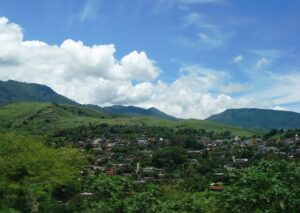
43,118
137,111
12,91
258,118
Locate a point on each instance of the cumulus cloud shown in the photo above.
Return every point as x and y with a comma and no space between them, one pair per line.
92,74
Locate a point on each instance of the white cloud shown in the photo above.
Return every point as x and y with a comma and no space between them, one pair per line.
279,108
238,58
92,74
262,62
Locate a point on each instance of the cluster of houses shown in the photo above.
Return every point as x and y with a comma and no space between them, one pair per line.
109,160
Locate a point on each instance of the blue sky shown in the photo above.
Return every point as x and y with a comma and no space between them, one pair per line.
220,53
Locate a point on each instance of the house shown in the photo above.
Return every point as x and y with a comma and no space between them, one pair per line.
272,149
149,179
152,171
216,187
88,194
236,138
242,160
193,161
261,148
219,142
194,151
229,167
142,141
110,145
98,168
110,171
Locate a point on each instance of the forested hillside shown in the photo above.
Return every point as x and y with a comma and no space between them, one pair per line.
258,118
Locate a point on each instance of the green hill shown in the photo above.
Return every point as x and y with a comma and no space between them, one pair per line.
258,118
46,117
13,91
35,117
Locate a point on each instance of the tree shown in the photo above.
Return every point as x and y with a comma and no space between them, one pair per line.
31,172
199,202
169,158
144,202
109,193
271,186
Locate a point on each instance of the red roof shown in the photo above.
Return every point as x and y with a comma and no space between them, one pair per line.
216,187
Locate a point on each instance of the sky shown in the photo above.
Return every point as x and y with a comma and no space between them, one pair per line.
188,58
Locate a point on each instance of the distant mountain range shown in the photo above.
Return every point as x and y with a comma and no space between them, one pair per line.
14,91
258,118
135,111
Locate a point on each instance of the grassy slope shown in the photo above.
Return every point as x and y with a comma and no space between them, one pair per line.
258,118
190,123
14,91
47,117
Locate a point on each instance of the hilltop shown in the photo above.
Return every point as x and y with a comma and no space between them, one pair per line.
14,91
132,110
258,118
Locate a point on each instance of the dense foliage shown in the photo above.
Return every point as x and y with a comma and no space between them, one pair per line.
271,186
32,173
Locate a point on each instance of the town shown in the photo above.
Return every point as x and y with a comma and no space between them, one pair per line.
163,155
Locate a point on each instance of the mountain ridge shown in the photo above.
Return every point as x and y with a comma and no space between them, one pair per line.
255,118
133,110
14,91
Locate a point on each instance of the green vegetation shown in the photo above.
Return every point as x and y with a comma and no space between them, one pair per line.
14,91
67,159
258,119
32,175
49,117
271,186
45,117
